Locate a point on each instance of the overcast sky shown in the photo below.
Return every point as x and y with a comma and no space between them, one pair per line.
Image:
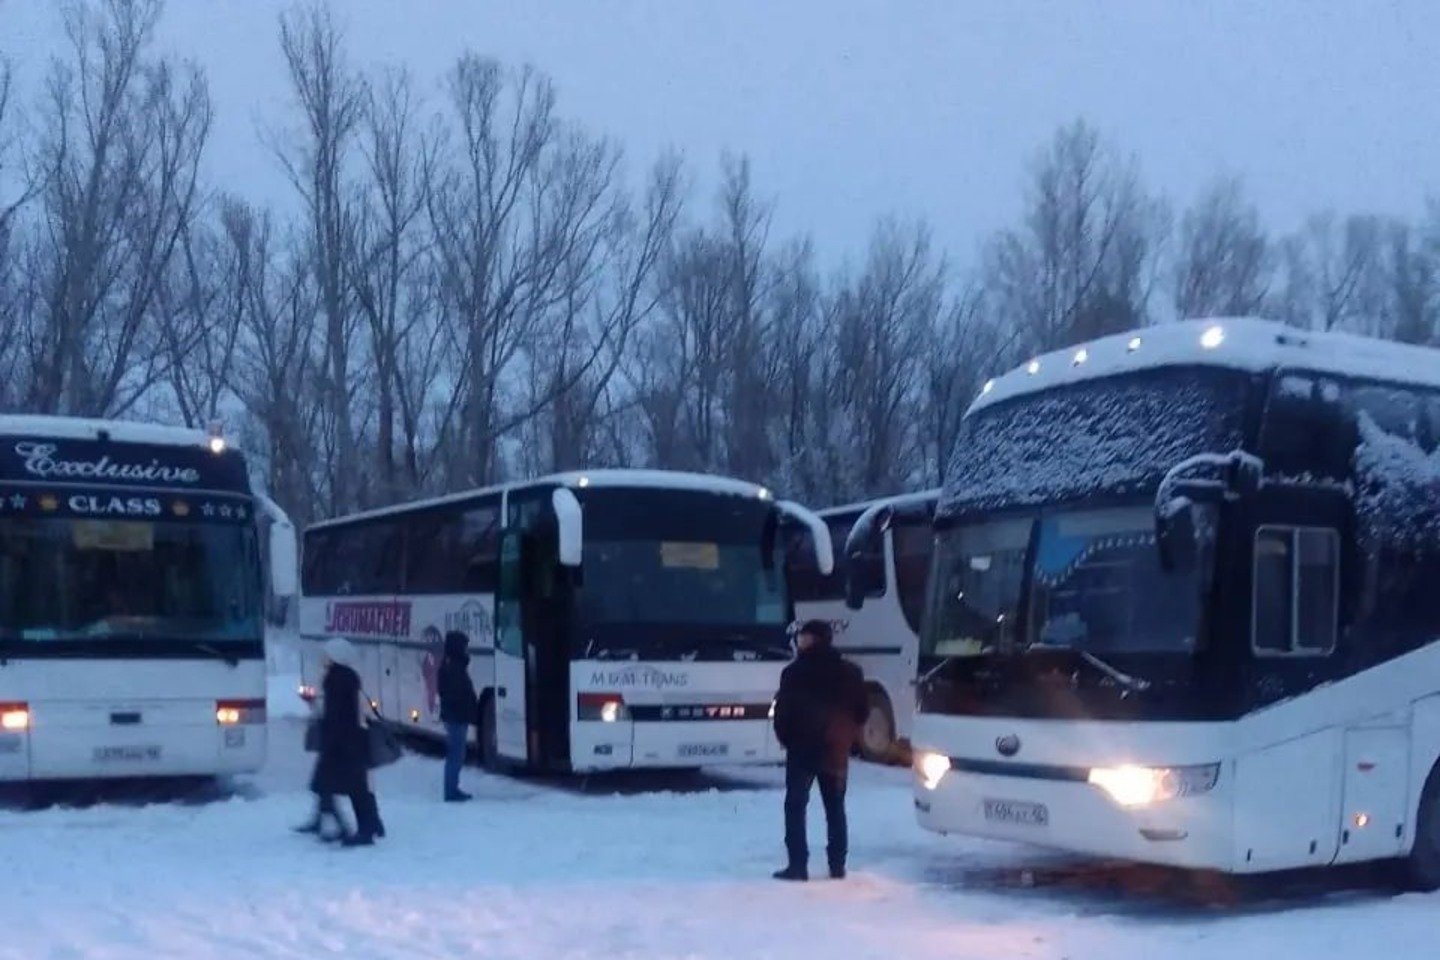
854,108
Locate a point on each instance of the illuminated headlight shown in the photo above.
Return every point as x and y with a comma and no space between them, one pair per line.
605,707
1212,338
217,445
772,709
14,717
931,768
1141,786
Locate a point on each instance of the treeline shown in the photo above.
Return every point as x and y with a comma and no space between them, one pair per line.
467,286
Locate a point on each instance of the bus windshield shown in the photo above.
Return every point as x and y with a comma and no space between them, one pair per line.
645,581
1087,580
680,573
108,580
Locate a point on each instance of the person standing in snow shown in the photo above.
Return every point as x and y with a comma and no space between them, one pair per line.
821,706
458,709
343,762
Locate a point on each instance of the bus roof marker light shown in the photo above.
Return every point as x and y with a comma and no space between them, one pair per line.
1133,345
583,482
1033,367
989,385
1212,337
1081,356
217,437
764,494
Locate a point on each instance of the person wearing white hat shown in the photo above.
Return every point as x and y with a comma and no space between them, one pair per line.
343,762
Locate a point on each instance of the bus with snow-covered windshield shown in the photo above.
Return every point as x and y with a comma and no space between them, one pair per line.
616,619
873,601
131,601
1185,606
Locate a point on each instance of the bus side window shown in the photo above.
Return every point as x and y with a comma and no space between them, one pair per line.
913,547
479,545
1296,591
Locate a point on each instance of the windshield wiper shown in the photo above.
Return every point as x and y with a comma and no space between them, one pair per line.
1125,680
217,653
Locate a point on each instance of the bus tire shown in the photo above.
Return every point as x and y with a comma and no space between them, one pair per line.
877,736
1422,867
489,733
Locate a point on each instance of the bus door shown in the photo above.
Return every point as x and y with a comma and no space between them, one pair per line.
511,714
532,617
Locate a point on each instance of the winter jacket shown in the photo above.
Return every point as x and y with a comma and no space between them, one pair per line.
458,703
820,709
343,764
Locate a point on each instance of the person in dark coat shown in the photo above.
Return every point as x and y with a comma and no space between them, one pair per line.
458,709
343,762
819,711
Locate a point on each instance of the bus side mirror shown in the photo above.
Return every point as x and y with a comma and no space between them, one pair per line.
284,563
1176,535
570,525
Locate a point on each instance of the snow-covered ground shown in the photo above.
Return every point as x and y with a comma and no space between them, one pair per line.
655,868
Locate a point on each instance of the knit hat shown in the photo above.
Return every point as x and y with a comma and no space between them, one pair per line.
341,651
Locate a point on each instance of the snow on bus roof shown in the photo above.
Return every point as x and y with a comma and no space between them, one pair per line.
578,479
82,428
1239,343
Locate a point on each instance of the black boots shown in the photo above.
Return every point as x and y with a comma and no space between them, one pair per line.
793,872
367,821
459,796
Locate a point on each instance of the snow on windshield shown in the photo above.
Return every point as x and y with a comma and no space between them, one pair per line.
1397,496
1118,435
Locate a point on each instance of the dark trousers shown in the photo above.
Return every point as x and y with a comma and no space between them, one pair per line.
455,735
798,778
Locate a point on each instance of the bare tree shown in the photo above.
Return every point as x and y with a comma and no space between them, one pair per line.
880,326
609,291
964,349
119,159
331,102
513,201
1223,265
202,308
385,270
1083,263
277,366
1331,274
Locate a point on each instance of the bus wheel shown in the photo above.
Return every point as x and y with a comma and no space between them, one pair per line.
489,735
1422,867
877,737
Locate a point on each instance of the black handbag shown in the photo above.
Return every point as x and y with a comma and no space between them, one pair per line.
382,743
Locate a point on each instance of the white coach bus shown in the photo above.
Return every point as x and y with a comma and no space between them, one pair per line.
617,619
131,602
1186,604
873,601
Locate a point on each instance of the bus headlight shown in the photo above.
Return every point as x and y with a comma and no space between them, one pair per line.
14,717
931,768
1140,786
605,707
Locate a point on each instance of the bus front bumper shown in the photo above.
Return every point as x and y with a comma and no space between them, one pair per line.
1192,832
672,744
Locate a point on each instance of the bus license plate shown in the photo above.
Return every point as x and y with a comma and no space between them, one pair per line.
126,754
704,749
1016,812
